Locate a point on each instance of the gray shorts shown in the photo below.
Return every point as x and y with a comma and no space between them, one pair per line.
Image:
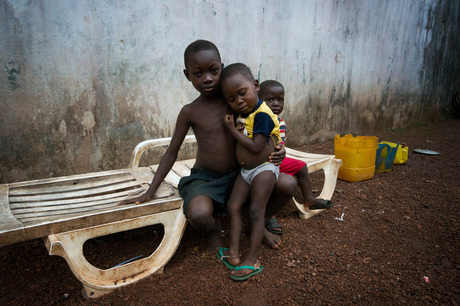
249,175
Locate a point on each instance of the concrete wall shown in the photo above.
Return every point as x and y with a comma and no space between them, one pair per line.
82,82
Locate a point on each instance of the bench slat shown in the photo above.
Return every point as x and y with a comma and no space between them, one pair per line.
87,193
62,212
123,194
53,208
17,212
75,185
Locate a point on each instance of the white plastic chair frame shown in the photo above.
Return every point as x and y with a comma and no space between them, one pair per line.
66,234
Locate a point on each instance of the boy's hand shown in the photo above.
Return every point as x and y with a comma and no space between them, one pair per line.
277,156
229,122
138,200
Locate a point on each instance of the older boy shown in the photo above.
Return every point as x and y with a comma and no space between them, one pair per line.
216,166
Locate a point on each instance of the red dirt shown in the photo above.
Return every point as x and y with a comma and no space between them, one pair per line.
397,228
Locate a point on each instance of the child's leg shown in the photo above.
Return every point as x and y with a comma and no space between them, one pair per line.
200,217
282,192
304,182
261,189
305,186
238,196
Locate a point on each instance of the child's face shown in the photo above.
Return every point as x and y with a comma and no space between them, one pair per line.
274,97
203,70
240,93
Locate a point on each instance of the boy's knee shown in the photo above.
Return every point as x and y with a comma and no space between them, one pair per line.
233,210
289,185
256,213
200,215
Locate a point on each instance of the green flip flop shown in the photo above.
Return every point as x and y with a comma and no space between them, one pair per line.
255,270
220,254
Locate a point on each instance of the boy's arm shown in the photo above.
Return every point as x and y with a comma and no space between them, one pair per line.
167,161
278,155
253,145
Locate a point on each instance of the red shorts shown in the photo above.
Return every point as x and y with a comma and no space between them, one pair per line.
291,166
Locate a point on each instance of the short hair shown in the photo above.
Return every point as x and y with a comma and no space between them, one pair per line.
197,46
236,68
265,85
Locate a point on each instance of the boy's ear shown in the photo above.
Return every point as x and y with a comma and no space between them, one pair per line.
186,74
256,85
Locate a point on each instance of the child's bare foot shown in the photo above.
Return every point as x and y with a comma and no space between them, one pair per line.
273,226
272,240
319,204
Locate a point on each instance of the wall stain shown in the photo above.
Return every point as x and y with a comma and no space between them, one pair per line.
337,57
88,123
13,68
63,128
439,84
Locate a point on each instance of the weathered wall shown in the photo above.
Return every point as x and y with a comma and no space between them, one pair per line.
82,82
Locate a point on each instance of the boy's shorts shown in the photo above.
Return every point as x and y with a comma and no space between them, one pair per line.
249,175
291,166
202,182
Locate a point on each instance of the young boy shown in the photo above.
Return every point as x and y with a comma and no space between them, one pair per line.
216,166
272,92
256,133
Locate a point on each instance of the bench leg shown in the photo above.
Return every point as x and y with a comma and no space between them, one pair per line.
331,170
97,282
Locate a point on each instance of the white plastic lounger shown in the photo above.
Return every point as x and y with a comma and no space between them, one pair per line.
67,211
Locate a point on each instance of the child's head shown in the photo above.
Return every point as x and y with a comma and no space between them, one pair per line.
272,92
239,88
203,66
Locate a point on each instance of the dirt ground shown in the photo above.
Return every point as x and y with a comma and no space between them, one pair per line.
398,243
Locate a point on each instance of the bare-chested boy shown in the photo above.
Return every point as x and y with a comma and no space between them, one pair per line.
216,167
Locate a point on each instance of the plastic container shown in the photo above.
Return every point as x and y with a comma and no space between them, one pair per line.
385,157
401,154
357,155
